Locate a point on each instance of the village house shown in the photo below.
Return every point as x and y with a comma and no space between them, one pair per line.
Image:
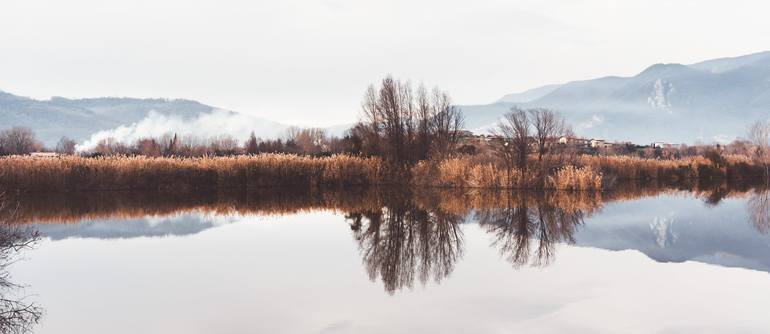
574,141
584,145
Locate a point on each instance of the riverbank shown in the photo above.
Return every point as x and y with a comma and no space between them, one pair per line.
582,173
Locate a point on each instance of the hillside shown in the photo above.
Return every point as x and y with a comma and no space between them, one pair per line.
80,119
710,101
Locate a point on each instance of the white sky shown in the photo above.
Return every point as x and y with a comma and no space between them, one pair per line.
308,62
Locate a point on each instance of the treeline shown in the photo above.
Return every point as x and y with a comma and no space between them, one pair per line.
399,123
298,141
18,140
22,140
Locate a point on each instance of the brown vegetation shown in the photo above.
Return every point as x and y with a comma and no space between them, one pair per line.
712,166
71,173
467,172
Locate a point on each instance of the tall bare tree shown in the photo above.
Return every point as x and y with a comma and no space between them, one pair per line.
547,125
759,134
65,146
446,121
407,125
514,131
309,140
18,140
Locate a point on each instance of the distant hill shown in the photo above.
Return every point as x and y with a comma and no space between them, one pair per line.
529,95
714,100
79,119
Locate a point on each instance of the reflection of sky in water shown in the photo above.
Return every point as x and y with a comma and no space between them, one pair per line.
179,224
665,228
677,229
304,274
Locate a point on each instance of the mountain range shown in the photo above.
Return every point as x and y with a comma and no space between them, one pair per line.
93,118
714,100
710,101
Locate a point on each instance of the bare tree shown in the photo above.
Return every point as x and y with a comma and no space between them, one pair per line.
309,140
148,147
514,132
223,145
252,144
548,125
65,146
447,121
406,125
18,140
759,135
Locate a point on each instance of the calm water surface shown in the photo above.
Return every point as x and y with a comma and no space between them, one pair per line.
671,262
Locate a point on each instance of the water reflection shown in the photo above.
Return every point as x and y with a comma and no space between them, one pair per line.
759,210
410,236
17,315
530,218
402,240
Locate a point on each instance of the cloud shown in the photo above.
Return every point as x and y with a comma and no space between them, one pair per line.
205,125
724,139
594,121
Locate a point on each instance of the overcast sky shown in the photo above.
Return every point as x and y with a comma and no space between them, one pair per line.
308,62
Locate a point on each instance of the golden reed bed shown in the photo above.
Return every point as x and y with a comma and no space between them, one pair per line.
584,173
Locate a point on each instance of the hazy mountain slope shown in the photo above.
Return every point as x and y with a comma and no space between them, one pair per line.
129,110
83,119
50,121
712,100
529,95
725,64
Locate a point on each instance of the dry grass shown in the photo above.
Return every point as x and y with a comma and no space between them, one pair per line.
584,173
575,178
465,172
123,173
688,168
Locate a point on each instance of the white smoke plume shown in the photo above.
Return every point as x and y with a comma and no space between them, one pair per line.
205,125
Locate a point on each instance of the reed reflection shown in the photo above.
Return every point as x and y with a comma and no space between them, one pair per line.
78,206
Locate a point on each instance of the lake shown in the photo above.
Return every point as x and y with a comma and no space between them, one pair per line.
398,261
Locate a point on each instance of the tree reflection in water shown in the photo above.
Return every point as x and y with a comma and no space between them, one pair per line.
419,237
404,235
16,315
526,229
759,210
403,241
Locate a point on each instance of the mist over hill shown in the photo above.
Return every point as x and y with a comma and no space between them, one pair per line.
88,120
714,100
